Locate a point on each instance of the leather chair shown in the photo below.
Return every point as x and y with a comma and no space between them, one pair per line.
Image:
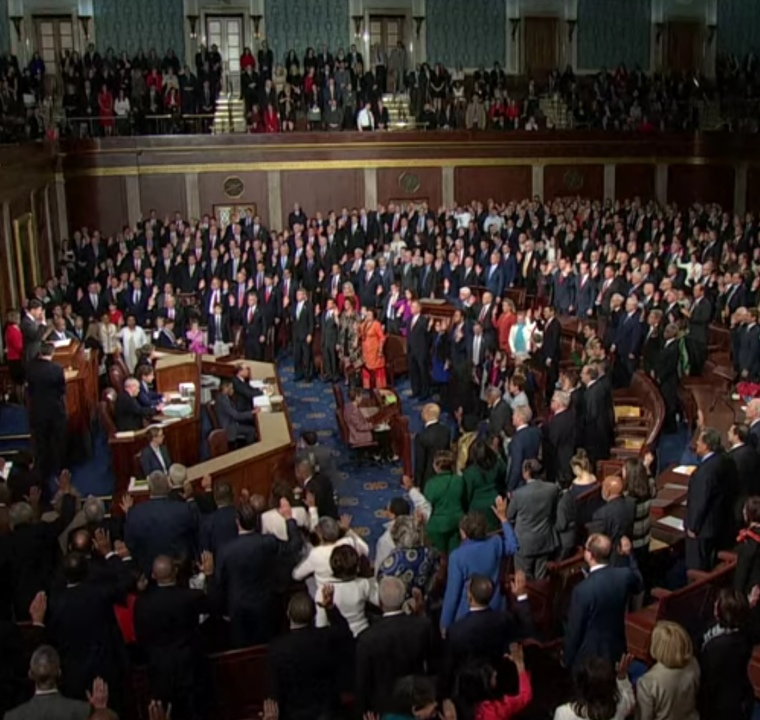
117,376
107,411
211,410
340,401
396,361
218,443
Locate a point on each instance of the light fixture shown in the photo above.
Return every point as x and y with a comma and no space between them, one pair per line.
256,20
418,20
17,20
658,28
84,21
571,24
358,19
711,29
514,24
193,21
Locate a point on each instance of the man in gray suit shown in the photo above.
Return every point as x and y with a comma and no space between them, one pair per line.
320,456
532,512
32,328
45,671
237,423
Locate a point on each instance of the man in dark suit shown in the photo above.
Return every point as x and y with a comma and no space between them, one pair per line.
749,349
129,415
303,335
46,391
159,526
615,518
524,445
705,512
435,436
499,414
596,622
254,328
219,329
627,344
330,339
700,317
167,629
598,417
666,366
45,672
242,392
302,683
137,301
155,456
237,423
219,526
318,486
395,646
550,350
244,575
532,511
418,352
747,462
559,439
32,330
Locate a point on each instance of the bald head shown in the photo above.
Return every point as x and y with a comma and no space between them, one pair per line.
612,487
164,570
81,541
598,549
431,412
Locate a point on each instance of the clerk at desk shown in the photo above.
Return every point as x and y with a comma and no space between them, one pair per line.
147,397
237,423
129,414
155,456
243,392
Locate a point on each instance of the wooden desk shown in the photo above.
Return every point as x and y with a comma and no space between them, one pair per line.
81,369
438,309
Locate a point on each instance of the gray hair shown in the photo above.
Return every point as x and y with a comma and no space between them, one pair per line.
20,513
392,593
328,529
562,398
158,484
94,509
45,667
177,475
406,532
524,412
131,383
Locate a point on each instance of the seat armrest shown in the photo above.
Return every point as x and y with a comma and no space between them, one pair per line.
660,593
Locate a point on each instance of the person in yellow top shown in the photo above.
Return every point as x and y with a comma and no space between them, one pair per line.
372,341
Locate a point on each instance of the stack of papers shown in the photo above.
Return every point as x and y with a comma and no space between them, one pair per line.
6,470
672,522
263,402
684,469
257,384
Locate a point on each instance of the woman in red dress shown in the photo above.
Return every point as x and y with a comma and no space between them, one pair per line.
504,324
14,350
105,106
271,120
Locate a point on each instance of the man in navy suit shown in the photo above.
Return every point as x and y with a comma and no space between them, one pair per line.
627,344
155,456
137,301
494,276
586,292
596,622
524,445
418,350
160,526
147,397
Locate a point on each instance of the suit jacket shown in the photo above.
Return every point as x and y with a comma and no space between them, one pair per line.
418,340
243,395
598,421
54,705
391,648
304,685
215,334
550,348
524,445
129,414
150,463
427,443
499,418
218,528
747,462
303,326
559,445
46,391
230,417
614,519
699,322
705,499
664,692
324,493
596,623
32,334
161,527
532,511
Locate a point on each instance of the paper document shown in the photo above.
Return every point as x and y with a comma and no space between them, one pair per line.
674,486
263,402
61,343
257,384
685,469
6,470
672,522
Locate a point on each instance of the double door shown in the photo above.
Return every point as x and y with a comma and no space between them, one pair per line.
54,35
226,32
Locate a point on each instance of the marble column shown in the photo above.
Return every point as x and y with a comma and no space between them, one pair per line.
661,183
134,206
370,188
537,186
192,196
740,188
609,182
9,251
448,192
60,206
274,191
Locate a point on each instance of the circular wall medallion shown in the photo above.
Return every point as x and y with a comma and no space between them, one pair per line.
234,187
572,180
409,182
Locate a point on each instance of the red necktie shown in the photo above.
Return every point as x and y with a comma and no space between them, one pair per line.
267,294
250,315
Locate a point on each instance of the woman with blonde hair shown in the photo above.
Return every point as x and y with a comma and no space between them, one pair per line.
669,690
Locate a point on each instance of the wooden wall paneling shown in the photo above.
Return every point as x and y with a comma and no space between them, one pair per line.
753,189
98,203
44,233
163,193
688,184
635,180
7,276
541,45
572,180
416,183
320,190
499,183
211,189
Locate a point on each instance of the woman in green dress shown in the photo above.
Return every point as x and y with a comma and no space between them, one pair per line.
483,478
445,493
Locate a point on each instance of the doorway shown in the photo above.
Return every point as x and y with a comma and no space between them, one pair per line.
541,46
684,46
54,35
226,32
385,32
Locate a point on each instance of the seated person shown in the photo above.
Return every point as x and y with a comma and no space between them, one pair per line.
237,423
147,397
243,392
155,456
129,414
363,430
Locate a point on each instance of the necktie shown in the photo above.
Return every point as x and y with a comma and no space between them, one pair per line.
250,315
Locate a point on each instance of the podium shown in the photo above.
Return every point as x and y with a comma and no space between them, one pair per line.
80,368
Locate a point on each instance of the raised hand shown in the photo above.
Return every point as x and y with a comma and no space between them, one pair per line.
516,656
126,503
328,595
500,508
518,584
271,710
38,608
156,711
98,698
206,565
623,665
101,541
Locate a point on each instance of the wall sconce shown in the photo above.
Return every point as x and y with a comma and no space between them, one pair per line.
658,28
193,21
418,20
256,20
17,20
571,25
358,20
84,21
515,25
711,29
